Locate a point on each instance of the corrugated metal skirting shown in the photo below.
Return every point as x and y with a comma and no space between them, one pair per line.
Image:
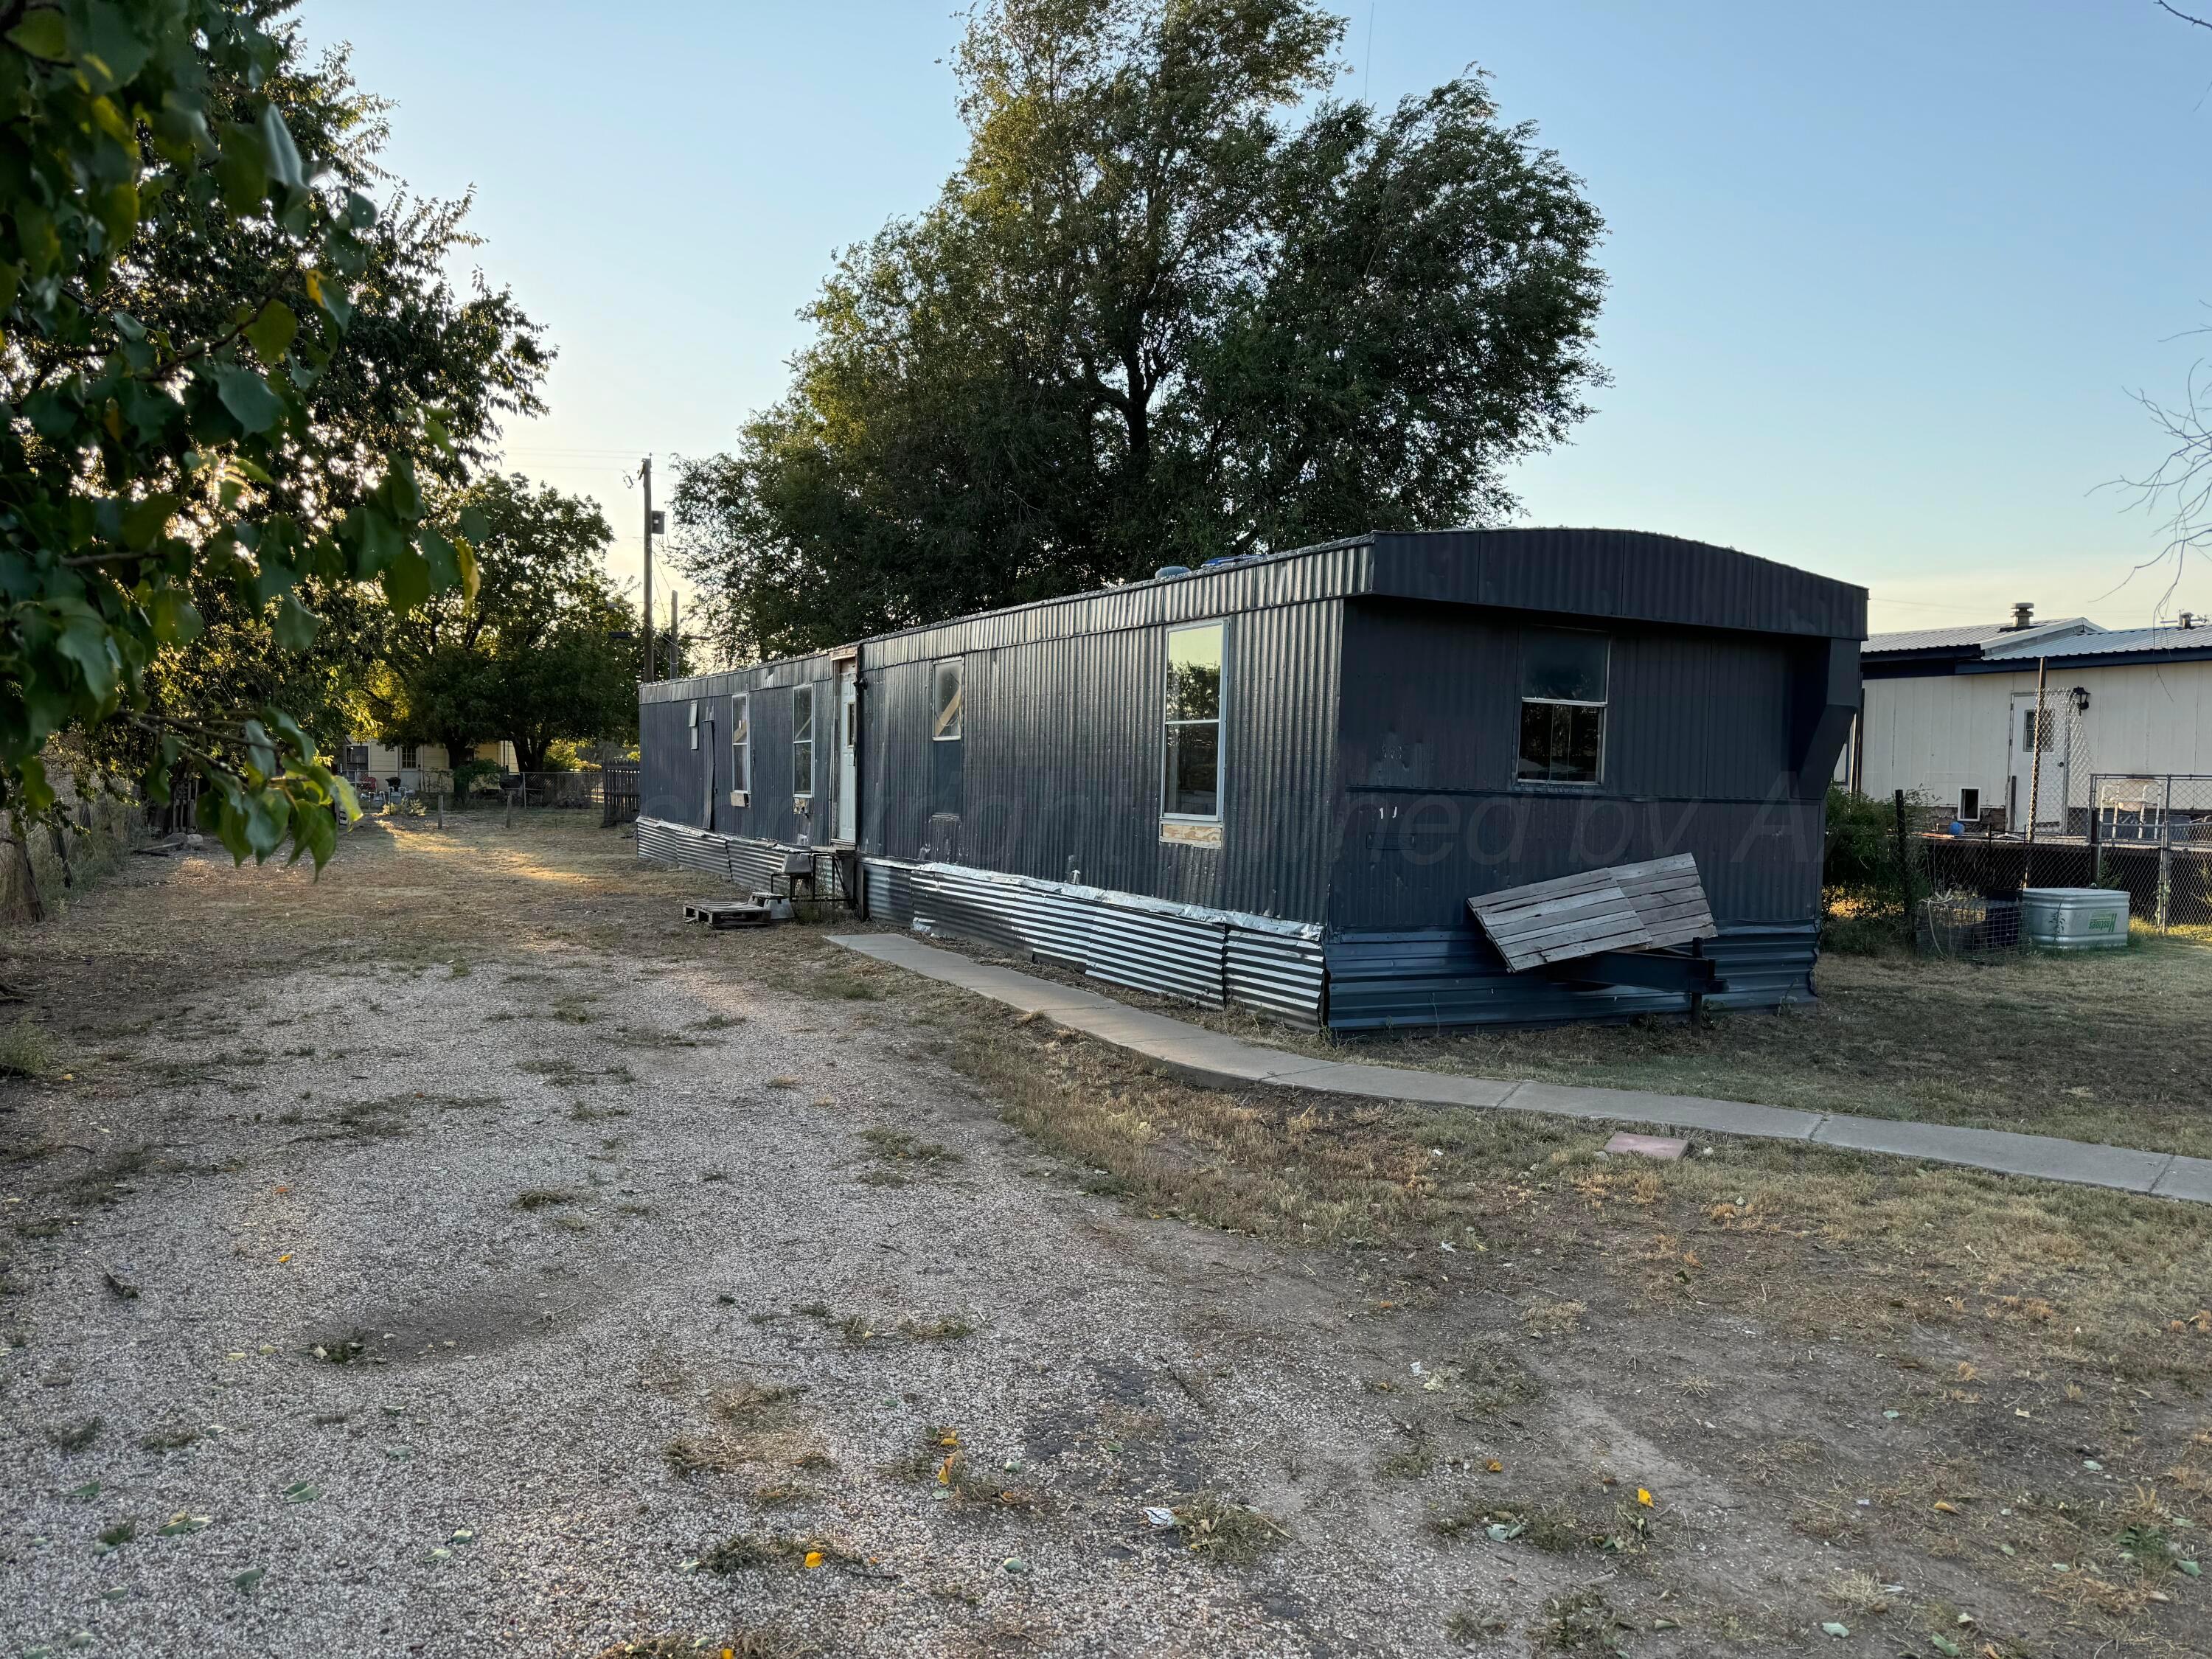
754,866
1213,958
1437,976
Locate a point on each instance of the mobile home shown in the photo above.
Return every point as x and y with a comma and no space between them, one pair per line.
1276,781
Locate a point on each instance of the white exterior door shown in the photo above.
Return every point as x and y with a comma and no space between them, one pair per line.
848,759
2031,738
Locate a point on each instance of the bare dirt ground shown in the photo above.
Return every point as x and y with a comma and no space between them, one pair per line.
458,1255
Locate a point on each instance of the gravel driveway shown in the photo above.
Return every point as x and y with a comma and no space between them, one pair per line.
454,1312
458,1255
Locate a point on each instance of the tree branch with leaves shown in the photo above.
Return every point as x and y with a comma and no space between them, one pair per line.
149,449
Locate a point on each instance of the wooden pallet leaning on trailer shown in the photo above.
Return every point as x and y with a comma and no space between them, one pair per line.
1654,905
1559,919
1669,899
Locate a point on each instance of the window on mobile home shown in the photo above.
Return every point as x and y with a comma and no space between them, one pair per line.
945,728
1192,788
741,744
802,740
1563,696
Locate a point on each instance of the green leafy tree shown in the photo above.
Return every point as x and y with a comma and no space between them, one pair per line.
579,686
544,649
1177,304
163,432
413,340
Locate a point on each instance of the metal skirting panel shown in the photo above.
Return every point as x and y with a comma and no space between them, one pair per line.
1175,955
890,890
1212,957
663,842
1385,982
1278,975
1364,981
755,865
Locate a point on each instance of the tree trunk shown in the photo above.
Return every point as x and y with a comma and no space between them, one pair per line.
19,883
1139,413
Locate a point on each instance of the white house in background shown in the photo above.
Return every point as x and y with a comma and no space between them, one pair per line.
1948,714
410,763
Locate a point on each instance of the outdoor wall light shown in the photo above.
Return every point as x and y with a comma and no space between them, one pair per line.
2081,699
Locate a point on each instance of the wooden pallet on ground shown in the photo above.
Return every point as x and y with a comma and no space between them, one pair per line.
726,913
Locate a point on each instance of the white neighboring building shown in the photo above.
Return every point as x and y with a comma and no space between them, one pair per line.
1948,714
410,763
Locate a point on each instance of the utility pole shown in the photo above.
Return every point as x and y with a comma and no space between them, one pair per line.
2038,742
644,471
675,639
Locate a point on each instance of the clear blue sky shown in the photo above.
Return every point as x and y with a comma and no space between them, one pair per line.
1883,275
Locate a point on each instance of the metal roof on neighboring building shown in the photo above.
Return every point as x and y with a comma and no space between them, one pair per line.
1994,649
2115,641
1983,636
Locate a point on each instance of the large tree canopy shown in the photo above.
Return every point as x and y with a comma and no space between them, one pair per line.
413,340
545,649
178,275
1177,303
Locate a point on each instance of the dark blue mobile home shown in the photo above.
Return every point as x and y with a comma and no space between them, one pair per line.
1276,782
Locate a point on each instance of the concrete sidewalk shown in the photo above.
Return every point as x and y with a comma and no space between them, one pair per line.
1209,1057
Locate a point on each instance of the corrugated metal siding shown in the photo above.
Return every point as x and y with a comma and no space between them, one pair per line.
1207,956
1299,577
1449,976
682,785
1698,759
1630,575
1062,758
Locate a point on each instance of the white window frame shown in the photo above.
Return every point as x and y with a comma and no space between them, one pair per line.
410,756
694,725
805,743
1219,722
741,750
1603,705
959,713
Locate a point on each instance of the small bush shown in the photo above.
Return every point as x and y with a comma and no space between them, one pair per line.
1221,1529
26,1051
1862,884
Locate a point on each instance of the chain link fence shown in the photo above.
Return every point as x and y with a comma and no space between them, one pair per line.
2148,836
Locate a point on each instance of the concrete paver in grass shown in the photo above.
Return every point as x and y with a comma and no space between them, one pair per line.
1211,1057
